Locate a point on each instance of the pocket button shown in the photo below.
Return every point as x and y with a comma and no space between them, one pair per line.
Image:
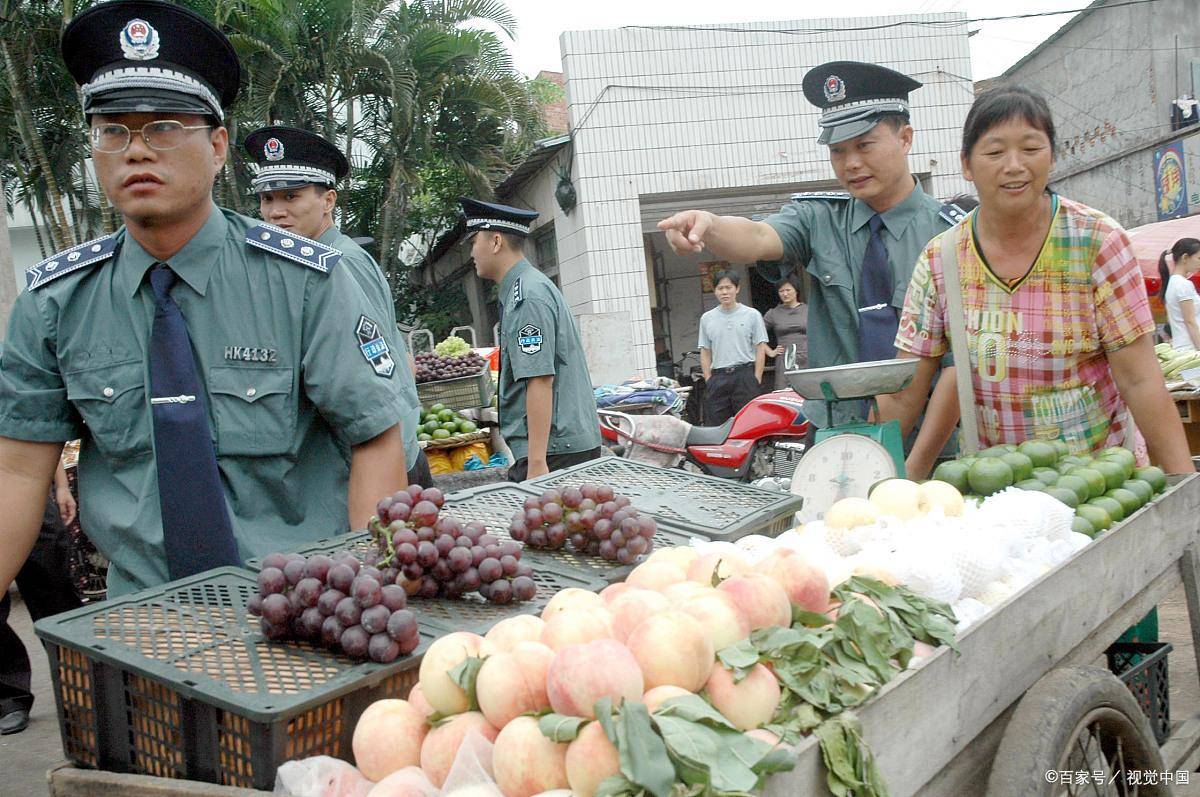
251,392
108,392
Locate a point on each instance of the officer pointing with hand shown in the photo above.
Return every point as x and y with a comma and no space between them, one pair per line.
858,246
212,366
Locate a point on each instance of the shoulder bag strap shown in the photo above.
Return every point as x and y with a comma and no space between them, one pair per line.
956,327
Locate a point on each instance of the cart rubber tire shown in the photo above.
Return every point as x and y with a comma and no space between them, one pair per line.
1046,720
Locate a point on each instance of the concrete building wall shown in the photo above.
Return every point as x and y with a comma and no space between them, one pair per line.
709,108
1109,78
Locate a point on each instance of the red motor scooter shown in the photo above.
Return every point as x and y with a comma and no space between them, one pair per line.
764,439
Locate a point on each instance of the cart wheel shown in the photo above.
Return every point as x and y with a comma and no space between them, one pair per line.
1077,720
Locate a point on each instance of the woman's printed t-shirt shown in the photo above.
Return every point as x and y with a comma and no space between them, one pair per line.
1038,346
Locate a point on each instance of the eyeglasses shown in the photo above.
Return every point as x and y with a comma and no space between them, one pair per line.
162,135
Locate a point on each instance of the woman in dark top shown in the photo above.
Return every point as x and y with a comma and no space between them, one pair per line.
787,322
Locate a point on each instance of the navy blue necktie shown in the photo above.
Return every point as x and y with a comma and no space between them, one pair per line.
197,534
877,318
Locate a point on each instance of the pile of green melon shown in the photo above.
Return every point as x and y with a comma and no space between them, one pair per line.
1102,489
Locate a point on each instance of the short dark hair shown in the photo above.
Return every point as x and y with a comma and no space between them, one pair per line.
1000,104
514,242
894,120
726,274
791,278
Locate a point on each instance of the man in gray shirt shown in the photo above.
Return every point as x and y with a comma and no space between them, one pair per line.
733,351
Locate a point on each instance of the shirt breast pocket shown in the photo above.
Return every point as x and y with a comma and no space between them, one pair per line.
254,410
111,398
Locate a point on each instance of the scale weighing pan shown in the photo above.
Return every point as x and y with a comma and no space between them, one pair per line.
854,381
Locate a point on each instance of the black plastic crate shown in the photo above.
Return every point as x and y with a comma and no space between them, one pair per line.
178,682
689,503
471,612
1142,666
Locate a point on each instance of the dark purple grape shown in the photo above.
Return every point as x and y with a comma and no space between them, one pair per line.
571,497
366,591
414,492
587,505
603,529
382,649
412,571
490,570
619,517
374,619
571,521
552,513
532,502
626,556
310,623
533,518
489,539
492,551
429,587
607,509
478,554
637,545
370,559
444,544
389,575
399,513
347,612
556,536
537,538
401,625
372,572
405,535
593,546
427,554
272,631
318,567
441,571
448,525
608,550
402,497
406,553
354,642
518,530
579,541
275,560
329,600
424,513
604,493
510,548
294,602
394,597
485,591
501,592
450,589
464,542
617,538
331,632
475,530
351,561
426,534
470,579
459,559
434,496
588,518
254,605
381,508
509,565
277,609
271,581
340,577
293,571
307,592
588,491
551,497
524,588
647,527
524,569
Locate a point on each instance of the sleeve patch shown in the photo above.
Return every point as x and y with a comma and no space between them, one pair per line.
374,348
296,248
529,339
952,213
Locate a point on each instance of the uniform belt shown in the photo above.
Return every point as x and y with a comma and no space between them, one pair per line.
733,369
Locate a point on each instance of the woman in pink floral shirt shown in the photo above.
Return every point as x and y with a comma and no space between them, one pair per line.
1058,324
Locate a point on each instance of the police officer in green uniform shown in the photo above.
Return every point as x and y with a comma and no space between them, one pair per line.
210,364
296,178
859,246
547,404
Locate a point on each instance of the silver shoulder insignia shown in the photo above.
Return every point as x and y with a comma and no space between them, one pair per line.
516,294
952,213
835,195
69,260
293,247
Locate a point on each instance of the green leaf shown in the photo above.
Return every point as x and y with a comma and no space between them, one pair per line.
604,715
739,657
464,675
616,786
560,727
688,740
850,766
809,619
777,760
644,758
693,709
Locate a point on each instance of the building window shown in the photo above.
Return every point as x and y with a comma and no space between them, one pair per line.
545,252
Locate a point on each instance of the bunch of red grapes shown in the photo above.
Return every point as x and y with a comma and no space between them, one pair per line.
591,517
433,555
340,602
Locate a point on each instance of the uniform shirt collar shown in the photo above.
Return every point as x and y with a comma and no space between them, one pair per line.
330,236
193,263
896,219
510,279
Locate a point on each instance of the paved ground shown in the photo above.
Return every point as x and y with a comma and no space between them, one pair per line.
26,757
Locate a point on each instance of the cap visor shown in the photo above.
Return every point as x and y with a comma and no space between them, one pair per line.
844,132
280,184
143,100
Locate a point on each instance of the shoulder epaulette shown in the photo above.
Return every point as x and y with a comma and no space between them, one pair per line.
516,293
294,247
805,195
85,254
952,213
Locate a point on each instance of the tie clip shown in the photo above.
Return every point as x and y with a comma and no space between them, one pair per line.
172,400
873,307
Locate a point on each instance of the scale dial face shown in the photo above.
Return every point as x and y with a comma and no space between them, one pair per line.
839,467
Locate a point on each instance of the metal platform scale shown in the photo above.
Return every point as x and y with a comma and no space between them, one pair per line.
847,459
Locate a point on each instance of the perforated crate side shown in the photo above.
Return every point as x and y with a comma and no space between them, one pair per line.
461,393
71,673
1142,666
683,502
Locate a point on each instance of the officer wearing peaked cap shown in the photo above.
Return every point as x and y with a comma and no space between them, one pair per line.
858,246
211,365
547,404
296,178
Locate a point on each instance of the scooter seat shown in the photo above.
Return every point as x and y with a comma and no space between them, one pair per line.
709,435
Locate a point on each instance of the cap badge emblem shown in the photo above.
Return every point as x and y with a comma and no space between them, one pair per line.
139,40
273,149
835,89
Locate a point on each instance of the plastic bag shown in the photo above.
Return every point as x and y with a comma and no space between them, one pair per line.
460,455
439,463
407,782
320,776
471,773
